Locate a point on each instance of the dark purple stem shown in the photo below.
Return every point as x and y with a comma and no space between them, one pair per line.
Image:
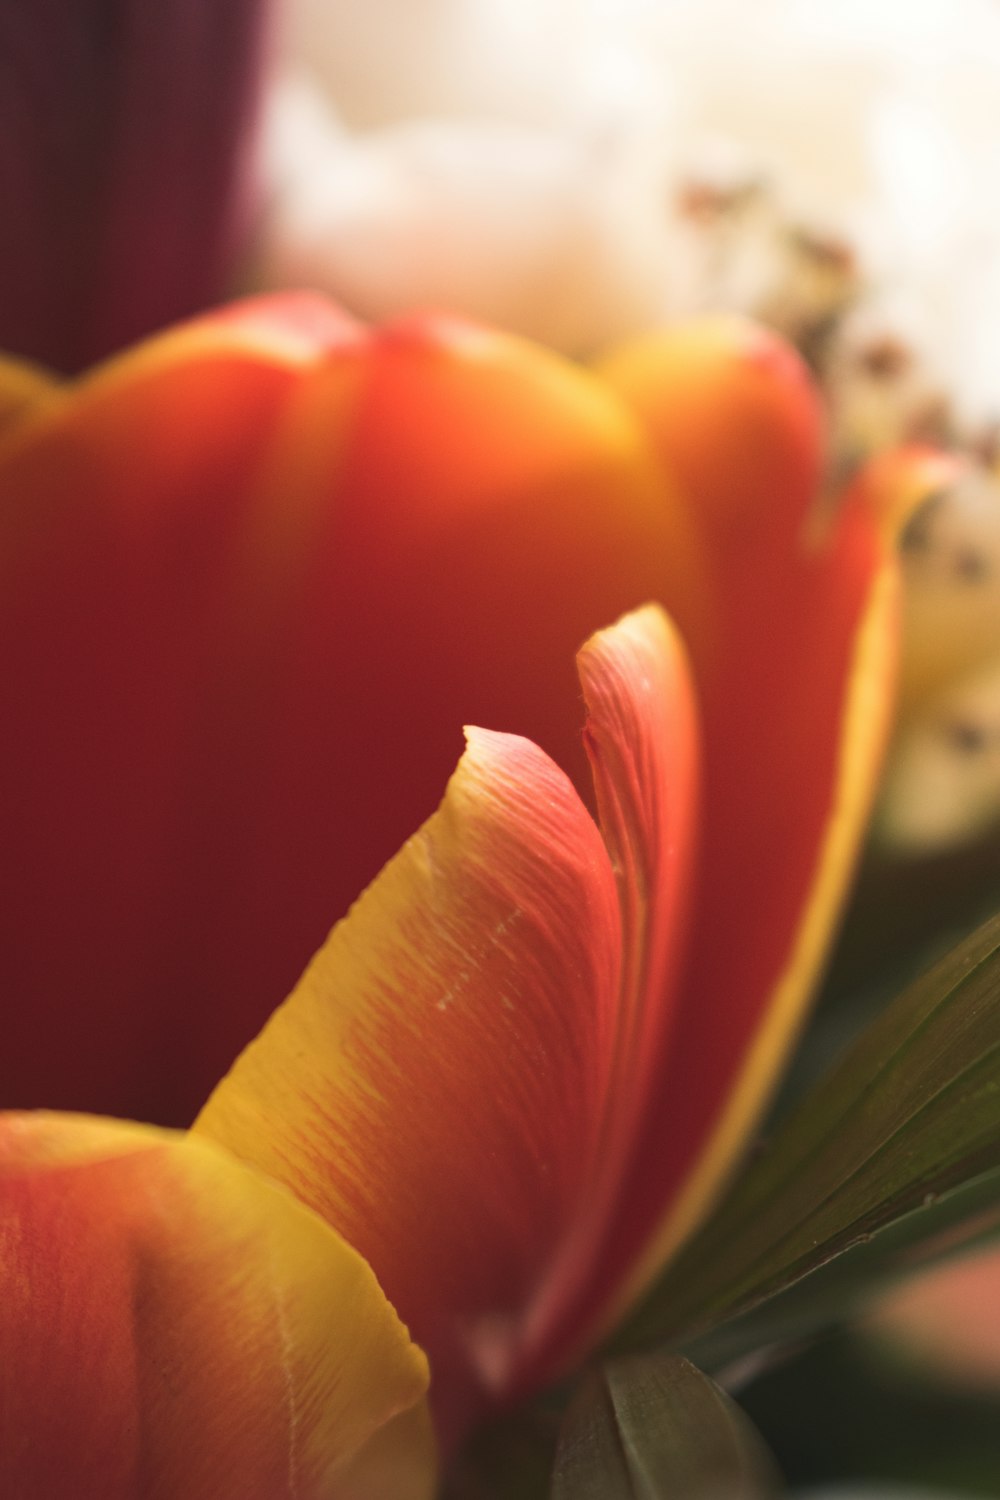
126,185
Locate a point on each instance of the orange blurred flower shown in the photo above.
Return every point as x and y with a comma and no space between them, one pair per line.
946,1321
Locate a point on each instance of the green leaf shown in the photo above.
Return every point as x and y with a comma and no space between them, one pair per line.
910,1114
655,1428
965,1219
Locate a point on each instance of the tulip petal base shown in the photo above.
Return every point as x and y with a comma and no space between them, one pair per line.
174,1326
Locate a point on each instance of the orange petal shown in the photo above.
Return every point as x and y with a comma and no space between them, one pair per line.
796,692
462,1066
434,1086
732,408
255,577
129,502
642,740
172,1325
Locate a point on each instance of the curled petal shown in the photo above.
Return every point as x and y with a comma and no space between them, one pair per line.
171,1324
642,739
434,1086
465,1064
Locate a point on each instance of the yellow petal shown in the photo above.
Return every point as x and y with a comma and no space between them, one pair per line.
174,1327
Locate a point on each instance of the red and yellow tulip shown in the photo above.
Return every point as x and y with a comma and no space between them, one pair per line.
255,575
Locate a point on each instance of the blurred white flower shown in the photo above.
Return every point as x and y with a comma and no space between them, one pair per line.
942,785
872,123
556,235
542,62
574,170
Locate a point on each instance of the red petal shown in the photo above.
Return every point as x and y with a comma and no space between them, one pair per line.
127,501
258,573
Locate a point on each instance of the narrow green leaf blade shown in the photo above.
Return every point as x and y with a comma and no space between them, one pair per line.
655,1428
965,1219
911,1113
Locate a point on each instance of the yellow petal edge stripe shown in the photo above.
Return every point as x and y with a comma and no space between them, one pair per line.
867,714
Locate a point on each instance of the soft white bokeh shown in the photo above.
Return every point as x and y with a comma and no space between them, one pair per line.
942,786
574,170
874,118
540,62
556,235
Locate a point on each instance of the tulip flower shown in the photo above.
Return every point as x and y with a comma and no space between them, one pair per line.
491,1082
254,571
258,572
